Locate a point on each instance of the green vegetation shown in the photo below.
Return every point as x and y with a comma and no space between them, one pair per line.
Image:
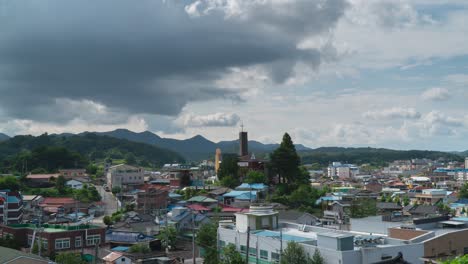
9,242
52,152
190,192
457,260
107,220
139,248
86,195
295,254
231,256
463,192
228,173
207,239
373,156
363,207
116,190
168,237
9,182
69,258
285,161
255,177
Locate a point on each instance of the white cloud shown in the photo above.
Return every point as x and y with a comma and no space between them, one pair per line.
393,113
436,94
212,120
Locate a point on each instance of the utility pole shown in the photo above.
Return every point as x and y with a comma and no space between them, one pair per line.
281,244
248,246
193,238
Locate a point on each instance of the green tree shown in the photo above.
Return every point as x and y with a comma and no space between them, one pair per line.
168,237
463,192
317,258
294,254
255,177
60,184
406,201
69,258
231,256
130,159
9,182
116,190
229,166
207,239
229,181
107,220
139,248
285,160
457,260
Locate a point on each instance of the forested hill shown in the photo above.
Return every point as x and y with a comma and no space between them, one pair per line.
51,152
326,155
3,137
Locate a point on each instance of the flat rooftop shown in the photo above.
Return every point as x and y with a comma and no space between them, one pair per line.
54,228
289,234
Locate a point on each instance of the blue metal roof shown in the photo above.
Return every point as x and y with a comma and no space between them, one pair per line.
255,186
127,237
247,196
237,193
120,248
174,195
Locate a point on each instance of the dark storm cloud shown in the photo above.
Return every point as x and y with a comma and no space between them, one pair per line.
141,56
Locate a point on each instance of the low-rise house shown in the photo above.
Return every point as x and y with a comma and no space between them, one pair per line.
388,208
58,205
74,184
13,256
123,238
41,180
56,238
116,258
239,196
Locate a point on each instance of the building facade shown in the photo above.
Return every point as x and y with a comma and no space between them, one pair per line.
124,175
11,207
55,238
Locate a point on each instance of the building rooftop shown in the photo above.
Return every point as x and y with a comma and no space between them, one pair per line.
54,228
8,255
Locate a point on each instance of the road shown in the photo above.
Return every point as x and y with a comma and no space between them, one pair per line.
110,204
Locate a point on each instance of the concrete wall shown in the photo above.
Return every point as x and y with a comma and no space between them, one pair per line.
453,243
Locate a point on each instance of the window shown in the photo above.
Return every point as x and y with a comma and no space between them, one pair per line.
274,257
62,243
465,250
252,252
243,249
77,241
263,254
222,243
93,240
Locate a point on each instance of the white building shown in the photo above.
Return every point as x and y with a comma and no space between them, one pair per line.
124,174
342,171
74,184
336,246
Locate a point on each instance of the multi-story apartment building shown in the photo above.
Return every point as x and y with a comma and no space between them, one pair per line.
152,197
11,207
55,237
124,175
430,196
342,171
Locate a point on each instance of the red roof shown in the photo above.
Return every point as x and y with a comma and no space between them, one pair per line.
42,176
57,201
231,209
198,207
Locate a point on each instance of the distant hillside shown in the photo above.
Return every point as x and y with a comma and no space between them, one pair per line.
195,148
3,137
90,147
326,155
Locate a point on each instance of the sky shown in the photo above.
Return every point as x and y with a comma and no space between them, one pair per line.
351,73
